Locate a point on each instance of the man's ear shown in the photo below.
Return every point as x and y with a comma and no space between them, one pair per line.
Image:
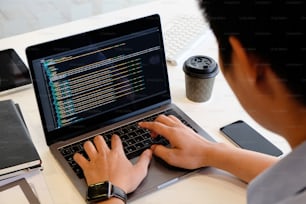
251,66
257,73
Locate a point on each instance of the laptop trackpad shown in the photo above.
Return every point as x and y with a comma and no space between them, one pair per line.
160,175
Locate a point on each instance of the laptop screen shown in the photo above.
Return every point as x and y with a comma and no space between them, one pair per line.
88,79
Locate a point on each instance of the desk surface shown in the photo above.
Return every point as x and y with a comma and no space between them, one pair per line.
223,108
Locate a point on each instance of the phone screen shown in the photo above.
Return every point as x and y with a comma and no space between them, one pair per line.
247,138
13,72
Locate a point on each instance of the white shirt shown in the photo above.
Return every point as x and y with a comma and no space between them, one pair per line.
283,183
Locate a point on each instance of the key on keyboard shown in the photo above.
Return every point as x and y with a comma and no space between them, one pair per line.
182,35
134,139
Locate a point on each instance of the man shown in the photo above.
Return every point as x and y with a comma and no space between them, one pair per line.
261,48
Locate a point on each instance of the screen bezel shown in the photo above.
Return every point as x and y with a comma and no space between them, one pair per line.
95,36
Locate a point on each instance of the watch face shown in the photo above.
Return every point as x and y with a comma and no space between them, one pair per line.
99,191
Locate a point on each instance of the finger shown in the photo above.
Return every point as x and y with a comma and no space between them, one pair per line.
90,149
101,144
162,152
80,160
117,144
154,134
143,162
166,120
158,129
177,121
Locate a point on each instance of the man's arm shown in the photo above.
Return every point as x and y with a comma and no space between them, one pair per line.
190,150
242,163
112,201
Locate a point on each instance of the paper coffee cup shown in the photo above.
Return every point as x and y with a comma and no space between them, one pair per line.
200,73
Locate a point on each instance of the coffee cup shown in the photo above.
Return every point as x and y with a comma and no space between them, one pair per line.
200,73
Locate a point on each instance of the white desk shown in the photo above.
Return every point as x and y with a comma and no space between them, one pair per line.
208,186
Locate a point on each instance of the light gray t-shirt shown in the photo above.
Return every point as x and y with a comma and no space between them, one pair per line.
283,183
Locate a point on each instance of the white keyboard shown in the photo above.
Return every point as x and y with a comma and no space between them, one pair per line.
181,35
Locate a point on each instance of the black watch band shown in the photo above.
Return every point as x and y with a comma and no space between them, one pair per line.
104,191
118,193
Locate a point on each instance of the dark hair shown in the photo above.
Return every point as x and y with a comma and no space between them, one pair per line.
273,31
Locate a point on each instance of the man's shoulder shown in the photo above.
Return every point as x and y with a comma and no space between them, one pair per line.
295,199
282,182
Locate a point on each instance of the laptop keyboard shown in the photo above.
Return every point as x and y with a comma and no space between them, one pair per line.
134,139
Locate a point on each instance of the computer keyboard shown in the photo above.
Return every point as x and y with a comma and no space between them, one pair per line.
134,140
182,34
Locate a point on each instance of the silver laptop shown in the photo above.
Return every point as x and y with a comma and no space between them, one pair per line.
104,82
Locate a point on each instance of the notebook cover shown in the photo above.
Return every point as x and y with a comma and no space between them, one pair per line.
16,147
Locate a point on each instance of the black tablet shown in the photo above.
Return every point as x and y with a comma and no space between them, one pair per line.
13,72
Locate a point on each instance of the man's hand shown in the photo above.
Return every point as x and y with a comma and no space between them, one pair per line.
188,149
106,164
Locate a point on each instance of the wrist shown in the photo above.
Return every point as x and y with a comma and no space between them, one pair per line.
213,154
112,200
105,191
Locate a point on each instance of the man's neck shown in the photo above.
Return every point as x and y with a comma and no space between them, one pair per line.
294,126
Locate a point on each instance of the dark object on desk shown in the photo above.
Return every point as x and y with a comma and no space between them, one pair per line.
18,152
13,72
246,137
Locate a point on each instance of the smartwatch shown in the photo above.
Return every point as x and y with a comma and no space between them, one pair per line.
104,191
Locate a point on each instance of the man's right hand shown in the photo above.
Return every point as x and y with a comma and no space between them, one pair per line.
187,149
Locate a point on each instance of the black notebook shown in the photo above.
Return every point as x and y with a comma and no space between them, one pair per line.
18,153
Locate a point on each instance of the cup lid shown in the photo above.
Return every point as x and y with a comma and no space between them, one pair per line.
201,67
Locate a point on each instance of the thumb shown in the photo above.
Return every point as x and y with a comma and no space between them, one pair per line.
143,162
162,152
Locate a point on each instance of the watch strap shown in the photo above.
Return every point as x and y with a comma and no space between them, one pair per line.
118,193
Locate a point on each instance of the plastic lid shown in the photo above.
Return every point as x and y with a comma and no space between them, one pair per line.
201,67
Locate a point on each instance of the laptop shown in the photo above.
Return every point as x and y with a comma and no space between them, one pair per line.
103,82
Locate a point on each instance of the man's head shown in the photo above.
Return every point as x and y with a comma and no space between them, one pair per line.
262,50
272,32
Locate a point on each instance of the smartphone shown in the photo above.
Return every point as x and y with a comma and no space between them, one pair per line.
13,72
246,137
